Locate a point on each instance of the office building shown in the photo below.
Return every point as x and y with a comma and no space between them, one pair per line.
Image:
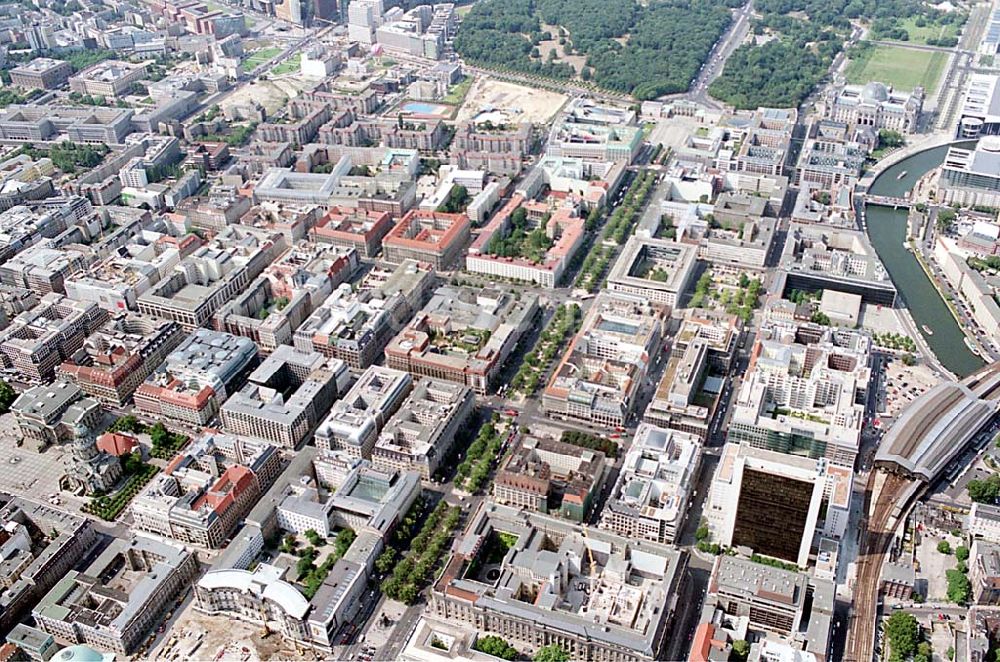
545,475
420,434
688,394
109,79
971,177
775,503
39,339
598,377
28,123
357,228
197,377
355,420
984,522
41,73
117,358
206,490
427,236
597,595
115,601
658,270
463,335
285,397
563,229
980,111
984,573
346,327
804,392
650,498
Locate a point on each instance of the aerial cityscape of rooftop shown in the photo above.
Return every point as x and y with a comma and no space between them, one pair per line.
538,330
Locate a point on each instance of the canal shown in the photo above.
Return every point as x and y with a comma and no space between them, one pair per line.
887,231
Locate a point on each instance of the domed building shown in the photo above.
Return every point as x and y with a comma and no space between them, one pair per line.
875,105
81,653
90,469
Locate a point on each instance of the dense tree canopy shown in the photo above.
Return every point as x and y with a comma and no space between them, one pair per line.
643,50
783,71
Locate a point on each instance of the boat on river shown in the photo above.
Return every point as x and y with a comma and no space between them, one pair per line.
927,330
971,345
901,175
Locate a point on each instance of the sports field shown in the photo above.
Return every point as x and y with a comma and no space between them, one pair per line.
902,68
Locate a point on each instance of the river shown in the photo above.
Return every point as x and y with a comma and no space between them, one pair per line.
887,231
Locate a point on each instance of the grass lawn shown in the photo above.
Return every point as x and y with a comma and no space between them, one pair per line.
289,66
929,31
456,95
260,57
902,68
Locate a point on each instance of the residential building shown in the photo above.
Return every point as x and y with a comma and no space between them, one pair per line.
115,601
463,335
626,615
598,377
486,146
984,522
650,498
285,397
206,490
355,421
546,475
420,434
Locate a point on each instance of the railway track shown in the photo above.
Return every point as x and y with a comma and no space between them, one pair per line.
876,538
